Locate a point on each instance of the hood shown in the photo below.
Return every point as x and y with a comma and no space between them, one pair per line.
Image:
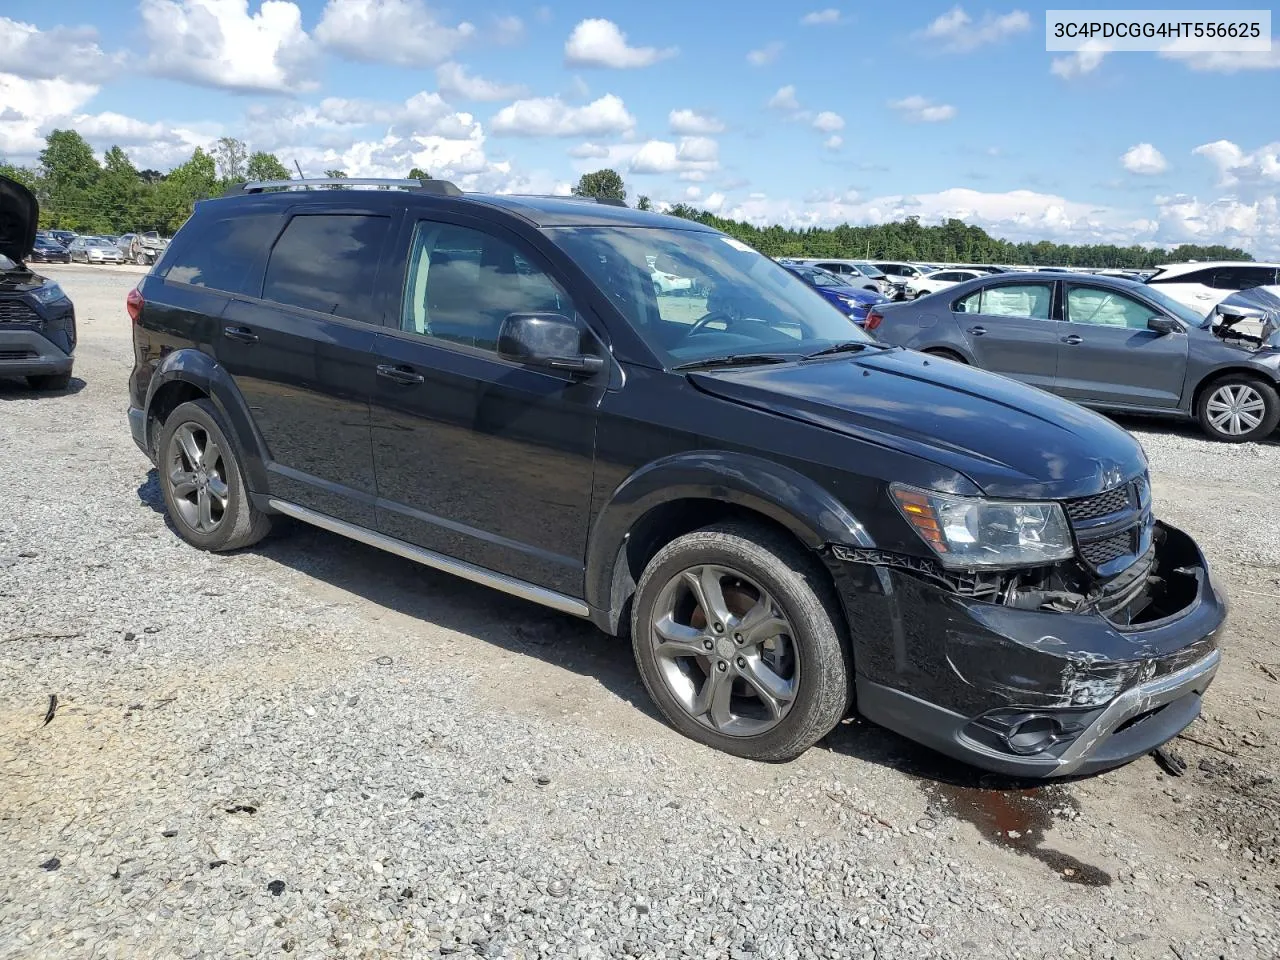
1009,439
19,213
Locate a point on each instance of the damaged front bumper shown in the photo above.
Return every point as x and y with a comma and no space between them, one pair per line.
1035,692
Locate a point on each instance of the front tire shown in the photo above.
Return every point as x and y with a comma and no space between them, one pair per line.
1238,408
739,640
947,355
203,485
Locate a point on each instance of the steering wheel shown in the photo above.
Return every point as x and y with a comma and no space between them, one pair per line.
702,323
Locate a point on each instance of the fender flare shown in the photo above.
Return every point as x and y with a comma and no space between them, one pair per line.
201,371
780,493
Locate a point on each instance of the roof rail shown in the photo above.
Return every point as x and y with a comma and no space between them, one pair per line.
607,201
441,188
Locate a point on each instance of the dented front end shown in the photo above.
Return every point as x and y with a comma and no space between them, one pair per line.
1064,670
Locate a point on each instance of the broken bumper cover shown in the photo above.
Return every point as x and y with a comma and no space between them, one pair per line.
1033,693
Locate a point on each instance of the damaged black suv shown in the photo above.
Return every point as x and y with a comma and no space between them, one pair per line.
787,518
37,321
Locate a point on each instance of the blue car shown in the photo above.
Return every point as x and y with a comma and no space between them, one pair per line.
852,301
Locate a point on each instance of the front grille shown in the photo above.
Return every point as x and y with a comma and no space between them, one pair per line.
18,354
1099,552
1086,508
17,311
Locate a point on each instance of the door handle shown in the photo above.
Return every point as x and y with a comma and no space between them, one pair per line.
240,334
1073,339
400,374
978,331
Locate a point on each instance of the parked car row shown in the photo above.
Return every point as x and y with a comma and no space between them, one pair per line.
139,248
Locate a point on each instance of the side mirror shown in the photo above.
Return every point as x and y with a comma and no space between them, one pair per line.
1162,325
547,340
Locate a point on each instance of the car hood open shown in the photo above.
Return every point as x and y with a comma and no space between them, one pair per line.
19,216
1009,439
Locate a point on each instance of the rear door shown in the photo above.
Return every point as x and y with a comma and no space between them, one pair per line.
1012,329
1109,356
302,355
477,457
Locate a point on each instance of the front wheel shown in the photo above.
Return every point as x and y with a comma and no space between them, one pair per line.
739,642
203,485
1238,408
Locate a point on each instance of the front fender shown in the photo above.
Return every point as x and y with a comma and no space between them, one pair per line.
783,495
205,374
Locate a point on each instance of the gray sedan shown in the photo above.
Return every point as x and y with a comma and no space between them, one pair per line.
1104,342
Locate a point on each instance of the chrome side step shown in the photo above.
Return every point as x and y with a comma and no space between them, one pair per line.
438,561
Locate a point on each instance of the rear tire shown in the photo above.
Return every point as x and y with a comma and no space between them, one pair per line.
202,482
783,652
1237,408
947,355
50,381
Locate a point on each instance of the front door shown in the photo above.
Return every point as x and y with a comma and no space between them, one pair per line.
479,458
1109,356
1011,330
302,356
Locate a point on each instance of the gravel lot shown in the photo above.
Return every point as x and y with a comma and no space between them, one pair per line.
313,749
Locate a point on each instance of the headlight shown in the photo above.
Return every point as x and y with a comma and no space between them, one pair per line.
48,293
967,532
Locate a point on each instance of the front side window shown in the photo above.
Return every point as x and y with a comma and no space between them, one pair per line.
221,255
741,302
1107,308
327,263
462,283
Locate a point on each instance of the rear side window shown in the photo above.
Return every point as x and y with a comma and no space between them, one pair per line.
223,254
1033,301
1195,276
1243,278
327,263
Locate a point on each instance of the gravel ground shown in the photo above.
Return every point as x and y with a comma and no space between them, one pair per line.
313,749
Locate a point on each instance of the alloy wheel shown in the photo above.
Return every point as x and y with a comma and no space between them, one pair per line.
1235,409
725,650
197,478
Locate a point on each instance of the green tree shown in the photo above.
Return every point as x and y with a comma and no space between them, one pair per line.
417,173
230,155
644,203
604,184
265,166
67,160
118,191
24,175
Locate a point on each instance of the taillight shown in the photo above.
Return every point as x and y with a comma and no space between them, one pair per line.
873,320
134,303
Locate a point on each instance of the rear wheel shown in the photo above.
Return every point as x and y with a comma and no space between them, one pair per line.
738,639
946,354
1238,408
203,486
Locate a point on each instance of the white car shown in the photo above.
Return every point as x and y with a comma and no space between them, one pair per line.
1202,286
940,280
856,273
665,283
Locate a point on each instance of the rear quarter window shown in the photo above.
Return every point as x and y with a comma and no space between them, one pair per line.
224,254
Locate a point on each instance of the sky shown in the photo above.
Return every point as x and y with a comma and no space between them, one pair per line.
772,112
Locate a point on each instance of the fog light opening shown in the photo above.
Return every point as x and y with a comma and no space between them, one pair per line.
1033,735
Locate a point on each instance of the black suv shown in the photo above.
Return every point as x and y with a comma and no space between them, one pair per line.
37,321
785,516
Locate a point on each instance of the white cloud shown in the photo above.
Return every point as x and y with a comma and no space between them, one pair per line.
694,123
1079,62
217,43
958,32
692,193
552,117
31,107
585,151
509,30
820,18
766,54
453,79
1254,226
600,43
1218,61
690,155
1145,159
784,99
67,52
403,32
828,122
1259,169
918,109
833,142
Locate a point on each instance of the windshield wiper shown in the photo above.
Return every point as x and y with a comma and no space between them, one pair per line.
847,346
733,360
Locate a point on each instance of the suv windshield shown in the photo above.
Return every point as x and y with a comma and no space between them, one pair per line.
740,300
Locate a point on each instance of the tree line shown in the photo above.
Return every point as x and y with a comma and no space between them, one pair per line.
78,192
